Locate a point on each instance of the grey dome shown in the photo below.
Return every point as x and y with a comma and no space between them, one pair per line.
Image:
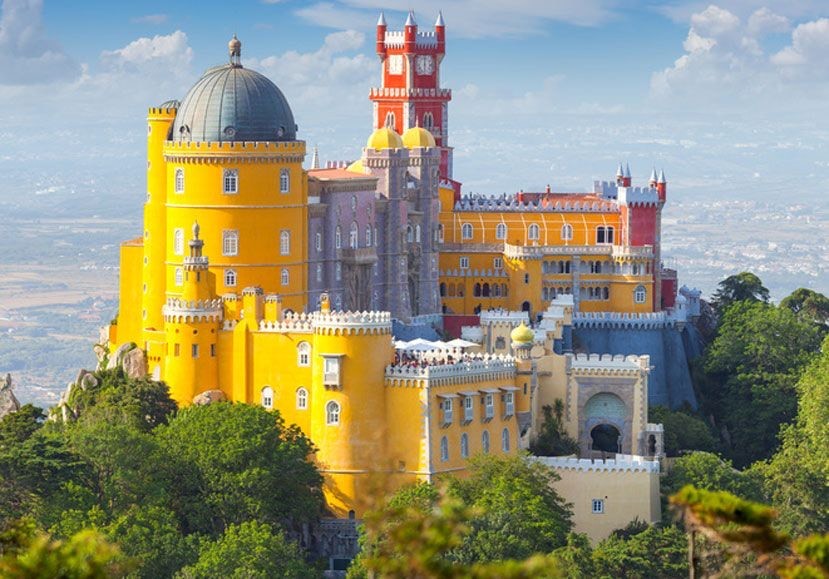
232,103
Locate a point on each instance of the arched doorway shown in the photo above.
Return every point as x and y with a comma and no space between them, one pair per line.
605,438
525,307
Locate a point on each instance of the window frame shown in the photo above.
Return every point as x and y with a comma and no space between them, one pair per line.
464,445
597,506
301,398
640,294
230,242
266,397
467,231
303,354
178,181
284,180
533,232
332,413
285,276
501,231
285,242
230,181
228,274
505,440
178,241
444,449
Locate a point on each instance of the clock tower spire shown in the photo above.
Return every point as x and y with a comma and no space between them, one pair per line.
410,94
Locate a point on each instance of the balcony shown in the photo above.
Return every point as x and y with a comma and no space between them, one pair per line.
358,256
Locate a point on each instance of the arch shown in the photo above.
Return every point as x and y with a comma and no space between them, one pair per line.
451,290
285,276
267,397
606,438
444,449
485,290
501,231
303,354
505,440
467,231
605,406
476,290
442,288
230,278
390,120
485,442
179,276
230,242
651,445
179,180
640,294
525,307
230,181
178,242
409,234
285,242
332,413
428,121
284,181
301,398
353,236
368,236
566,232
533,232
464,445
417,233
496,290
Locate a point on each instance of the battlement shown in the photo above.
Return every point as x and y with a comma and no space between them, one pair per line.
475,368
472,334
622,463
626,195
627,321
507,203
386,92
300,323
351,322
608,362
176,150
511,318
162,112
539,251
182,311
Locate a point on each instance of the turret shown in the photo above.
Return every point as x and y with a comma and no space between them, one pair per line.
620,175
440,33
410,33
381,36
626,180
652,180
662,186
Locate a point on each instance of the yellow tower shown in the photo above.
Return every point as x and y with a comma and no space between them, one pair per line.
191,325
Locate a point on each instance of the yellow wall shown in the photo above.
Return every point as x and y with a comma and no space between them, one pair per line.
129,294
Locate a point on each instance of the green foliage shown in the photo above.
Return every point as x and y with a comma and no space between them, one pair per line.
251,465
740,287
808,304
17,427
575,559
708,471
751,370
553,440
28,554
250,550
683,430
655,552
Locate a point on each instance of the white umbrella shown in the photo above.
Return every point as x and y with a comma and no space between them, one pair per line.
458,343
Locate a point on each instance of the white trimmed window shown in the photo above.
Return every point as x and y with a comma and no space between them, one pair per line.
303,354
640,294
409,234
368,236
285,277
338,237
567,232
178,242
179,184
353,236
464,262
230,242
604,235
440,233
598,506
417,233
485,442
532,232
338,271
468,408
319,272
505,440
464,445
509,403
444,449
267,397
466,231
284,181
318,241
501,231
230,278
447,411
230,181
285,242
489,406
301,399
179,276
332,413
498,263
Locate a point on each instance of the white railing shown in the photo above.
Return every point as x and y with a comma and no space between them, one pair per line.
623,463
650,320
504,316
469,369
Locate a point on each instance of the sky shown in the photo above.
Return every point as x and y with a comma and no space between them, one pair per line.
728,97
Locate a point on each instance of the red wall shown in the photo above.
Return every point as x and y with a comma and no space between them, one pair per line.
452,324
642,225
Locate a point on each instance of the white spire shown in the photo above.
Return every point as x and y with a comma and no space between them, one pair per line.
410,21
653,176
627,170
382,20
661,177
439,21
620,172
315,159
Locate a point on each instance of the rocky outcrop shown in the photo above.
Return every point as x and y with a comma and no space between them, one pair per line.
8,401
209,397
134,363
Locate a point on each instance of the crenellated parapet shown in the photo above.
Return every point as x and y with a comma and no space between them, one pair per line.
234,151
387,92
622,463
481,368
589,204
510,318
353,323
299,323
607,364
182,311
623,320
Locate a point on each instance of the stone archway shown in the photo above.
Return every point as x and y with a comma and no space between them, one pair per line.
605,438
605,425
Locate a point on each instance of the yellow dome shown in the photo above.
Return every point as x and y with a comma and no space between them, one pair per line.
522,335
356,167
384,138
417,137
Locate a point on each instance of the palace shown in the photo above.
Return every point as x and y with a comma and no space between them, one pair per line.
258,281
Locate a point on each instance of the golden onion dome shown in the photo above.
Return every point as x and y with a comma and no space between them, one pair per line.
417,137
384,138
356,167
522,335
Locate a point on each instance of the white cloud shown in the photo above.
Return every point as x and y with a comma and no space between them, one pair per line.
764,21
154,19
27,55
806,56
171,51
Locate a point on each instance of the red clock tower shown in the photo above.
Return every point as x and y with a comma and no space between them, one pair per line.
411,95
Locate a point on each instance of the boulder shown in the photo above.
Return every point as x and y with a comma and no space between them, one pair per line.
88,381
208,397
8,401
117,357
134,363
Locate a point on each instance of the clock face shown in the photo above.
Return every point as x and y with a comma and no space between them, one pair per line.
396,64
424,64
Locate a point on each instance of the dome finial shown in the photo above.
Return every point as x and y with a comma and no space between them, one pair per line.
196,230
234,48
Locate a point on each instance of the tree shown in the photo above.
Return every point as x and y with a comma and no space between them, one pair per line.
706,470
808,304
251,465
249,550
751,369
683,430
655,552
743,286
552,439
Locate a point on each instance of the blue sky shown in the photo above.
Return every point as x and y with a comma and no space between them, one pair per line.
728,96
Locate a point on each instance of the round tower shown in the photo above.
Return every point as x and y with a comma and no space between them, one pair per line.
352,350
191,326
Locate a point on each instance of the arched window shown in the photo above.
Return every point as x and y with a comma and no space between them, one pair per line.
301,399
284,181
368,236
230,278
178,242
532,233
428,121
417,233
338,271
485,442
332,413
179,276
476,290
464,445
353,236
285,277
640,294
179,185
605,293
409,234
319,272
442,289
318,240
230,242
390,120
566,232
496,290
285,242
460,290
505,440
230,181
303,354
504,290
501,231
466,231
485,290
440,233
267,397
444,449
338,237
